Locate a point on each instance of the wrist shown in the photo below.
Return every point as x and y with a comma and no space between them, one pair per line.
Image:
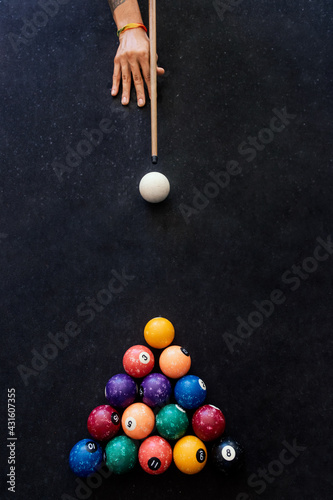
129,20
126,13
131,26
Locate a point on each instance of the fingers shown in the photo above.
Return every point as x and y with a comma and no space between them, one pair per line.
134,66
126,81
160,71
139,67
146,75
116,79
138,83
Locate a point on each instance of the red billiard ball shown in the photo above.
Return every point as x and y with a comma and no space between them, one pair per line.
103,423
138,361
155,455
208,423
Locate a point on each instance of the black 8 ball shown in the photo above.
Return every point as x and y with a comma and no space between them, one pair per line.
227,455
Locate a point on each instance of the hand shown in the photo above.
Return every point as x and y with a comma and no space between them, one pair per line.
132,59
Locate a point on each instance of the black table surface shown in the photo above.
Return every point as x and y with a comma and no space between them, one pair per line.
239,257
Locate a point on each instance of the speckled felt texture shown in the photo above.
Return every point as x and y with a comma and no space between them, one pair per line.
86,262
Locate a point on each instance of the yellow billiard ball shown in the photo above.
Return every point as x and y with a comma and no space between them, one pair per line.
190,455
159,333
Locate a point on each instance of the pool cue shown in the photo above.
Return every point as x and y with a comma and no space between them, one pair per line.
153,80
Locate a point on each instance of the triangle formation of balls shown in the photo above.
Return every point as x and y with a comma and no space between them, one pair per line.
155,417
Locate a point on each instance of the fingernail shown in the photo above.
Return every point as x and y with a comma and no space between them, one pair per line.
113,91
124,100
140,103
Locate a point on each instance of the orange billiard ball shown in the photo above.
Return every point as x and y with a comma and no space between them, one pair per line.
175,361
138,421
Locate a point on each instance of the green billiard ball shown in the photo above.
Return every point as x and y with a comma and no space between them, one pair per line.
172,422
121,454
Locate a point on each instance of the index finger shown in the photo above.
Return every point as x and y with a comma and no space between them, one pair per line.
116,79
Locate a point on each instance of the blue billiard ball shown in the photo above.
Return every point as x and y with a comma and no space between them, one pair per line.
85,457
190,392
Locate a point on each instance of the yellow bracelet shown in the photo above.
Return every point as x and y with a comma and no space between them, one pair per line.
131,26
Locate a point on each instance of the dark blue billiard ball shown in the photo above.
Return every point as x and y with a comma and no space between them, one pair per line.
85,457
190,392
227,455
155,390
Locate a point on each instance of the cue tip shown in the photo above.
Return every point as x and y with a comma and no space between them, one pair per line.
154,159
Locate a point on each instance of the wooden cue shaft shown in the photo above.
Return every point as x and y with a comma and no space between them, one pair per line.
153,79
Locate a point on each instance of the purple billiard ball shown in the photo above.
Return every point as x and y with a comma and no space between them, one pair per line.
121,390
155,390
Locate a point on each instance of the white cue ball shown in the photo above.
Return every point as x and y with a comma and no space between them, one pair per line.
154,187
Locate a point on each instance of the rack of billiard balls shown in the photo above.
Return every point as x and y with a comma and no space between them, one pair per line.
121,431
